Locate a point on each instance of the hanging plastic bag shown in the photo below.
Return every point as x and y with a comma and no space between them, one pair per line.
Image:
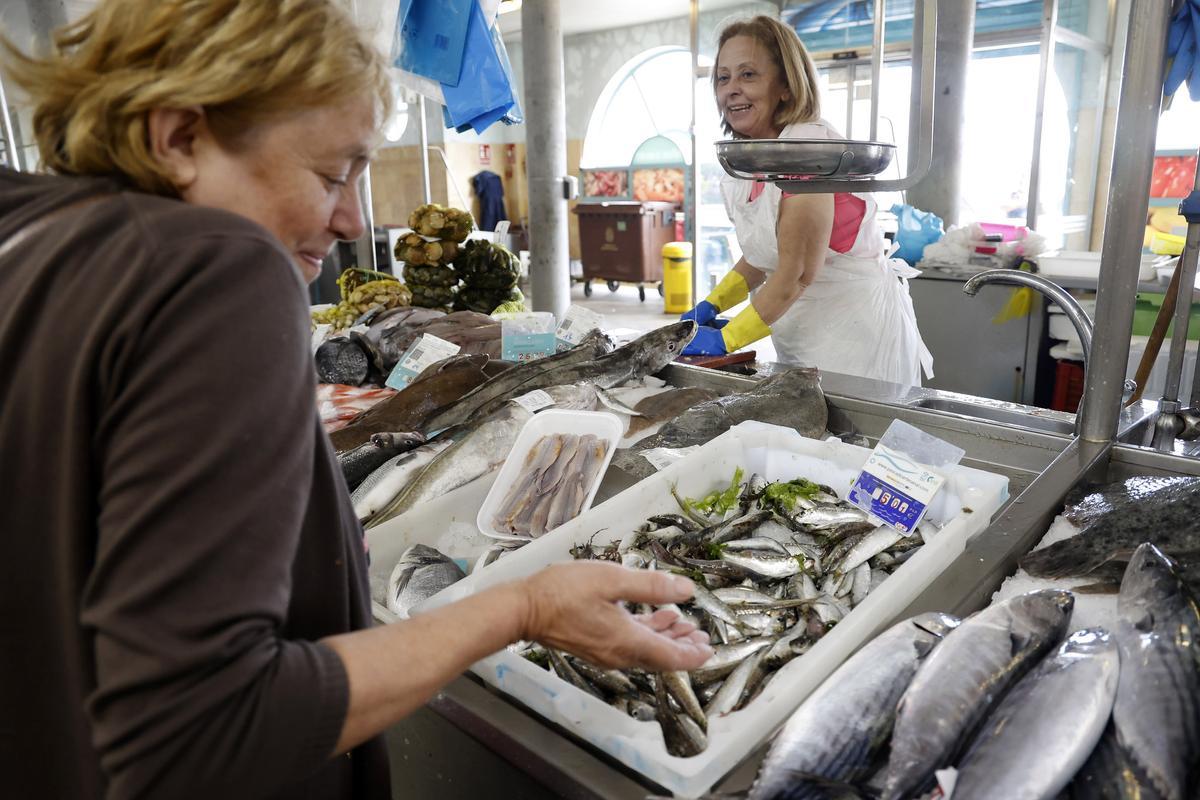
484,93
916,230
433,34
1020,302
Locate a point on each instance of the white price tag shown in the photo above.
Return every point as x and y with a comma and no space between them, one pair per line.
662,457
422,353
895,489
535,401
577,323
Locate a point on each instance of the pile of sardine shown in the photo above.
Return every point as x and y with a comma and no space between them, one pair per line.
552,485
1016,707
776,565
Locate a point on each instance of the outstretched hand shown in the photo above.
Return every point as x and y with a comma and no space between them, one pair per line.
574,607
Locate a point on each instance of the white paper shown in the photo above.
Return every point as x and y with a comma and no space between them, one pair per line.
535,401
662,457
577,323
427,351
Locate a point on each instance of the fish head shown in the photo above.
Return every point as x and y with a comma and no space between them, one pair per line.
936,623
659,347
1042,615
1152,590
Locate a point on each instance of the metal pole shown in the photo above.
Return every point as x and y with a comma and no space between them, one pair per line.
425,153
876,70
364,247
10,141
1128,201
1183,305
694,194
850,70
546,143
1049,23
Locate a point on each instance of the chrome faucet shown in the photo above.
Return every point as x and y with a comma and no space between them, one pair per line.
1069,305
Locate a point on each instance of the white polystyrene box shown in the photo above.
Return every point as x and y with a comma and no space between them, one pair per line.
965,504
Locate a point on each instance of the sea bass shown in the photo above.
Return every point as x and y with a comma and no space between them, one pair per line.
361,461
420,573
510,383
964,679
479,448
1117,518
841,731
1157,710
792,398
1044,730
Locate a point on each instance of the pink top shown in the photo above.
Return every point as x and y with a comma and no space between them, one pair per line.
848,213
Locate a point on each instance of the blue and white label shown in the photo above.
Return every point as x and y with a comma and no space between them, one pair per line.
521,347
895,489
424,352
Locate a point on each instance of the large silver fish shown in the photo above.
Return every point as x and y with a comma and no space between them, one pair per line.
480,449
420,573
1157,710
359,463
964,679
792,398
644,356
841,731
510,383
1045,729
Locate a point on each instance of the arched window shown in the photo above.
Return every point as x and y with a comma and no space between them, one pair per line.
647,97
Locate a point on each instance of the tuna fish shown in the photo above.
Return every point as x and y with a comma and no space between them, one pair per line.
964,679
840,733
1047,726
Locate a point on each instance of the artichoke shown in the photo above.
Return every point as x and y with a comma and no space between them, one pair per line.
441,222
429,275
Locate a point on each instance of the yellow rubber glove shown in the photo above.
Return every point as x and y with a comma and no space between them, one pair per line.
745,328
732,290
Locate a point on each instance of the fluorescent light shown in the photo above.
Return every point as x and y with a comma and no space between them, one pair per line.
509,5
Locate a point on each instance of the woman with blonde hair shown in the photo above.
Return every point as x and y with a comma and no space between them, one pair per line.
185,582
823,288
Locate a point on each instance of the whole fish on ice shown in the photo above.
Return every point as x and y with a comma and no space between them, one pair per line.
420,573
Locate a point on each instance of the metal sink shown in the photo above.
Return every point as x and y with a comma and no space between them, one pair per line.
1056,422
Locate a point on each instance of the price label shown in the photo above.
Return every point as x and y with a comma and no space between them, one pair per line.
663,457
522,347
895,489
423,353
535,401
577,323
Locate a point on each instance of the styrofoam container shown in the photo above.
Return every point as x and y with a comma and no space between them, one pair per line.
964,506
608,427
1085,264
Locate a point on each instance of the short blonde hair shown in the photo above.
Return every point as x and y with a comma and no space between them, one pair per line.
243,61
792,60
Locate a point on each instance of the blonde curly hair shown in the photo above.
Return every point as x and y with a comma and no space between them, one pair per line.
793,61
243,61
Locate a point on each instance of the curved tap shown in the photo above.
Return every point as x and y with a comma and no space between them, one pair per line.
1074,312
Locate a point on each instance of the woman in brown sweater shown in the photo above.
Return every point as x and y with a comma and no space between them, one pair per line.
186,610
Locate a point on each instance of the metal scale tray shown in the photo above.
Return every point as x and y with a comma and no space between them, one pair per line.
802,159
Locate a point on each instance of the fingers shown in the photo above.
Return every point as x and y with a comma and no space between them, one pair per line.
657,652
644,586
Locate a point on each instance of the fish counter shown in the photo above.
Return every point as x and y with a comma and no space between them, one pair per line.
796,588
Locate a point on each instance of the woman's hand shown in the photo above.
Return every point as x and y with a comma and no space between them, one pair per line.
574,607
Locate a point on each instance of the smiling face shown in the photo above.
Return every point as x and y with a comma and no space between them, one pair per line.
295,176
749,88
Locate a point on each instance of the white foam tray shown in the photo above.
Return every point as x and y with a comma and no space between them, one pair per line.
774,453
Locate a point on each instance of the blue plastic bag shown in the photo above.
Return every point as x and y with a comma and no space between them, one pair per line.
916,229
433,35
484,93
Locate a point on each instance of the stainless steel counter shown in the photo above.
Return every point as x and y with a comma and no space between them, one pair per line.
471,741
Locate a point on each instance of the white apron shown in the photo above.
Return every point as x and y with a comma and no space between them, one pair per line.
857,317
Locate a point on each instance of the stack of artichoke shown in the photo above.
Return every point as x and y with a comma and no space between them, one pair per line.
428,251
489,276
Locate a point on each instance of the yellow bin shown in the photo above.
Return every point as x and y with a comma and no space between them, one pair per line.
677,277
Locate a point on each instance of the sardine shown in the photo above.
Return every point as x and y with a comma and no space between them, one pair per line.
679,686
867,548
568,673
682,735
1047,726
733,689
830,516
841,731
965,678
765,565
725,659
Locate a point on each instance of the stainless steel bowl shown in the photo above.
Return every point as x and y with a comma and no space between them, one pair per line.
801,159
